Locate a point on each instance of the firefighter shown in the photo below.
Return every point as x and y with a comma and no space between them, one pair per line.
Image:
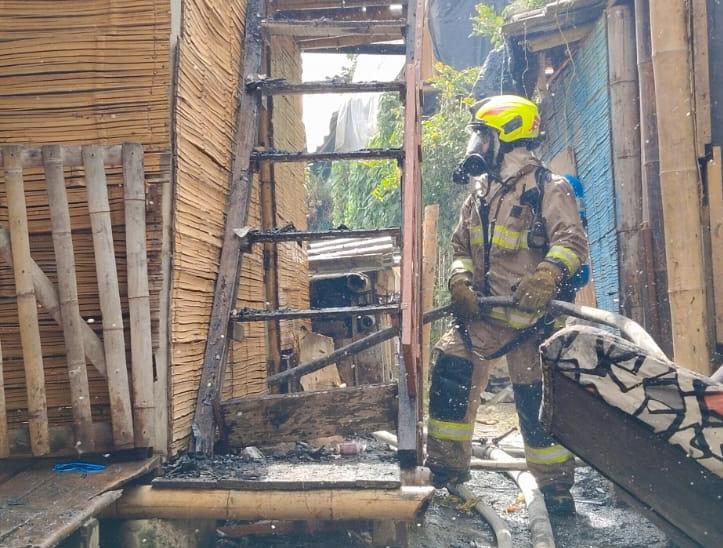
519,234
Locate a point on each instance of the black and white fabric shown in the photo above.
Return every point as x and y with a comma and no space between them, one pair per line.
681,406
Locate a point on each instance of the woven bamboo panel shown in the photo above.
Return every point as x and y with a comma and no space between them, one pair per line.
77,72
209,61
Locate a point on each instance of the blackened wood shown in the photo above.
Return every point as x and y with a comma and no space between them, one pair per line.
657,474
349,13
262,315
324,27
224,299
308,415
365,49
368,154
283,87
283,5
349,350
254,236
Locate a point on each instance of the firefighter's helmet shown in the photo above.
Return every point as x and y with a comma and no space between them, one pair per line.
513,117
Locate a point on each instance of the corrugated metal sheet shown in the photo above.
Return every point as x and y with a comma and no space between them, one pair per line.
577,115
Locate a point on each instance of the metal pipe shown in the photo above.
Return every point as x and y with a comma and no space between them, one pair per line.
358,283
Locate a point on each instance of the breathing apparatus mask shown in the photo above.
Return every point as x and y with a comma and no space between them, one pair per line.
484,155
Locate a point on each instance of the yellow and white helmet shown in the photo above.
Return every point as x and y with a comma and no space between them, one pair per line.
512,116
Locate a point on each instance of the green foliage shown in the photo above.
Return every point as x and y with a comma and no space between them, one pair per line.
488,21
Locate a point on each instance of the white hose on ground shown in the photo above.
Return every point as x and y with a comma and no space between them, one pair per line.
499,526
540,527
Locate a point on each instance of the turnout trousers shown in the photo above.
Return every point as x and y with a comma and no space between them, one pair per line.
459,376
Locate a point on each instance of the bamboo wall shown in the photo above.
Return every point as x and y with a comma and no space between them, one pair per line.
208,72
77,72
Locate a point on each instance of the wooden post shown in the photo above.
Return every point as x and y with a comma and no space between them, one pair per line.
237,206
657,294
68,296
4,439
47,296
134,198
270,252
429,277
27,306
680,184
715,203
109,293
625,116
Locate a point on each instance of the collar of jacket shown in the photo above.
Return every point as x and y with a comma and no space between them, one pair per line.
517,163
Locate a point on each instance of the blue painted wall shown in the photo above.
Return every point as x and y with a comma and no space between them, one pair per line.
577,116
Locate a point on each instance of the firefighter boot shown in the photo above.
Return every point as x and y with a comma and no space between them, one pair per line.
451,424
550,463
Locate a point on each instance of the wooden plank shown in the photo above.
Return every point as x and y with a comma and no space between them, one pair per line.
311,347
347,13
47,296
364,49
369,154
284,5
27,305
347,41
339,354
109,293
329,28
715,203
61,440
429,279
4,441
269,217
701,73
269,419
224,299
410,432
659,475
31,514
283,87
263,315
134,198
250,236
71,156
68,296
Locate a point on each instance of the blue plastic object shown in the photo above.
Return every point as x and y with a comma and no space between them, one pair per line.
79,467
582,276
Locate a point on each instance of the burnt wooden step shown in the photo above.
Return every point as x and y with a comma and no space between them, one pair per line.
283,87
366,154
295,314
307,415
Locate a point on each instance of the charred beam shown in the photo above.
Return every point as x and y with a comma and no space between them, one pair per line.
328,28
367,154
249,236
365,49
283,87
265,315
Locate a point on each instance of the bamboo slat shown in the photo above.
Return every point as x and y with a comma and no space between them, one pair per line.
138,296
715,202
4,442
27,306
680,185
110,305
68,296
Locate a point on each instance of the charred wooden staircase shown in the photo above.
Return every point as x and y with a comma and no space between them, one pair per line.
356,26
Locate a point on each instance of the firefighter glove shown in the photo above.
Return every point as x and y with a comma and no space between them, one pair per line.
536,290
464,299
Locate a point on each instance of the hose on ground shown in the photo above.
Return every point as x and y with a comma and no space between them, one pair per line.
499,526
540,527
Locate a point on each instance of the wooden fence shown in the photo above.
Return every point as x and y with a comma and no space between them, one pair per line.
131,400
